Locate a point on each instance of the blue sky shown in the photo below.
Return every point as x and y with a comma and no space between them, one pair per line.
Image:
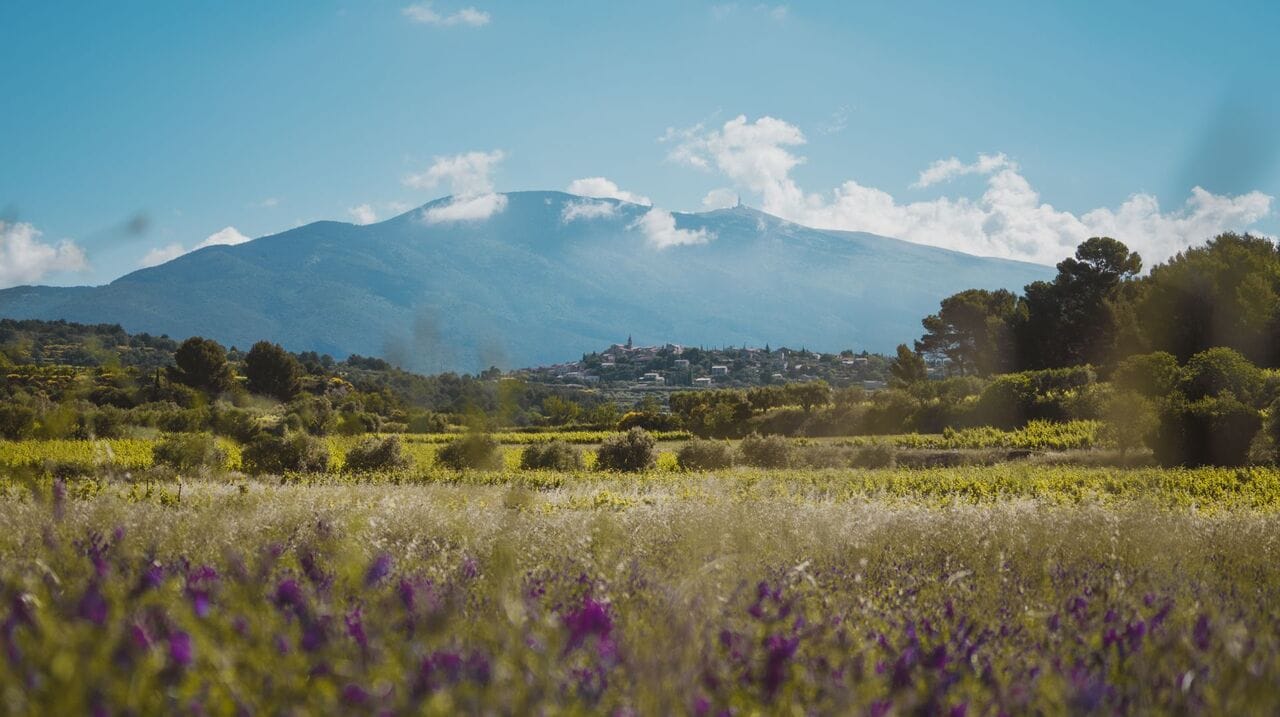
137,129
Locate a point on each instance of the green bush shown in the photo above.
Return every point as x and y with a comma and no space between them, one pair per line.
293,452
1211,431
376,453
1153,375
474,450
875,455
16,421
428,422
704,455
104,422
235,423
823,456
553,455
189,451
1221,370
627,452
649,421
765,451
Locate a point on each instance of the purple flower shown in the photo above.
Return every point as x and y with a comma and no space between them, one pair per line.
354,694
592,619
93,606
180,649
138,636
378,569
470,568
701,706
152,576
780,650
355,627
200,583
1200,634
289,595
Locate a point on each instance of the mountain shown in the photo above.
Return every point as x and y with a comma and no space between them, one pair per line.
527,287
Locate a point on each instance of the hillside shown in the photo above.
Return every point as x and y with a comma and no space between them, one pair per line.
526,287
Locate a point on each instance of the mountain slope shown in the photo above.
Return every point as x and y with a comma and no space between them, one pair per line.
526,287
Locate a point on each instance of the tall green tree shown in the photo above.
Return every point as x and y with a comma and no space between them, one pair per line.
1225,293
1076,318
908,368
973,330
202,364
272,371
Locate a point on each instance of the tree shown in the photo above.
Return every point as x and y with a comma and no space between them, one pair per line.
809,394
908,368
272,371
1074,319
1226,293
202,364
973,331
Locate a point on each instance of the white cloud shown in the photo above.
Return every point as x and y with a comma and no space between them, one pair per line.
399,207
1007,220
659,228
721,198
466,209
425,14
587,209
226,236
268,203
602,188
363,214
25,259
467,174
162,254
944,170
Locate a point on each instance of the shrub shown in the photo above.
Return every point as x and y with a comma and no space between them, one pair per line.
272,371
765,451
183,420
630,451
235,423
824,456
1219,370
553,455
105,422
891,411
293,452
16,421
649,421
1211,431
427,422
703,455
1130,420
1153,375
189,451
875,455
474,450
377,454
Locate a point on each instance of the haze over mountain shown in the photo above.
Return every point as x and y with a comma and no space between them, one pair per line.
548,277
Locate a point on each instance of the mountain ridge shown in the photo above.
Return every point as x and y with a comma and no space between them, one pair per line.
527,287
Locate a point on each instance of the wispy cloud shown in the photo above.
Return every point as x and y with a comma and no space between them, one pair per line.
1009,219
722,11
25,259
587,209
424,13
268,203
468,176
363,214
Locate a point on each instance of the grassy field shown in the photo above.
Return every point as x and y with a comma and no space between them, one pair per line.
1009,589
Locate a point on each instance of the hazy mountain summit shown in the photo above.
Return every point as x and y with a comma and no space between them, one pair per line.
544,279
